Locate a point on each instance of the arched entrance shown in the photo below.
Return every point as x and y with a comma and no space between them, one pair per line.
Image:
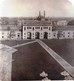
37,35
45,35
29,35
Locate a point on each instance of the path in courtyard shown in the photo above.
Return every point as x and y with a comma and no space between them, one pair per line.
58,58
23,44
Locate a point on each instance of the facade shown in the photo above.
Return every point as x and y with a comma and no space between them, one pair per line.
37,30
4,34
9,32
65,32
55,34
15,34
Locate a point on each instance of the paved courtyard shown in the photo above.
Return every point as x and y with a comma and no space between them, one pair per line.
65,48
33,58
30,62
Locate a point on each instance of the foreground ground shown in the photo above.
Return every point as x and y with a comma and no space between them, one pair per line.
30,60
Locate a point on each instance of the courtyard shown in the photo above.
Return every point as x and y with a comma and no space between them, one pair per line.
31,59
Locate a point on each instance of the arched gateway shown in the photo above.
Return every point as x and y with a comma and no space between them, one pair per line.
29,35
45,35
37,35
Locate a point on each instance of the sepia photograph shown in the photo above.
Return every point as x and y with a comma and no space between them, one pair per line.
36,40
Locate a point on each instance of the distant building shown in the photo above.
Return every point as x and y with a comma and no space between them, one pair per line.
65,32
62,23
9,32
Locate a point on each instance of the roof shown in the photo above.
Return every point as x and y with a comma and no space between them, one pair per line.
9,27
36,23
64,28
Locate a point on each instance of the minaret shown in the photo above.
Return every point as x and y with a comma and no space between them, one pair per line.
39,13
44,13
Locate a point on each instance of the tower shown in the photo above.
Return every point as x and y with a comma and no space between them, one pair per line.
44,13
39,13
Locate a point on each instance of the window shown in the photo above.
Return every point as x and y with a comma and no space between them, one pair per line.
2,36
68,36
63,35
54,35
45,27
33,33
33,28
8,36
37,27
68,32
63,32
18,35
7,33
41,28
2,33
29,27
41,33
24,28
49,28
24,33
49,33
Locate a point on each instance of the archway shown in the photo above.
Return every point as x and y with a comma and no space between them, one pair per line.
37,35
45,35
29,35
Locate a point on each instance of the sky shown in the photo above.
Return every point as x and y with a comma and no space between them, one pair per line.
31,8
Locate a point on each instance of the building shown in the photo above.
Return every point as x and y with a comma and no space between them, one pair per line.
65,32
62,22
9,32
39,28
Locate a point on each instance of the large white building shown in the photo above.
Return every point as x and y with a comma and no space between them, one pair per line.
37,30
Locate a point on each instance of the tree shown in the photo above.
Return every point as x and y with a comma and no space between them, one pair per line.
71,22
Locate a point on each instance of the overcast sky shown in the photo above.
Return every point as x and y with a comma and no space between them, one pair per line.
28,8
